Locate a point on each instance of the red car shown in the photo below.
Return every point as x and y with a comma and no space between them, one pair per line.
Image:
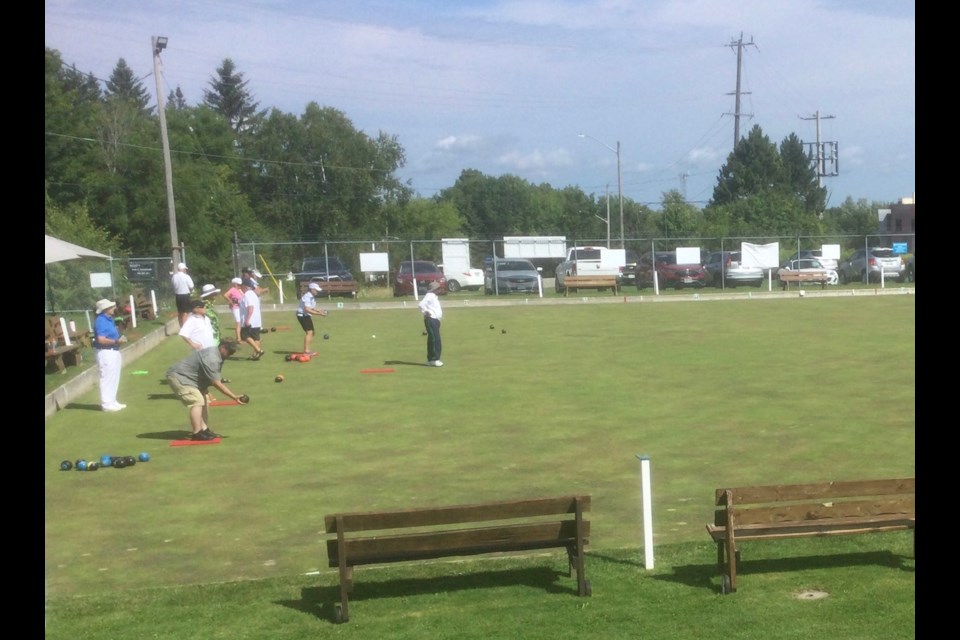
669,273
424,271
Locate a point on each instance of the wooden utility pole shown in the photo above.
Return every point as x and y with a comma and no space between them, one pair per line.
739,44
158,44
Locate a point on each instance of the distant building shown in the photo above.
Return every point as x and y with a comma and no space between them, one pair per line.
899,222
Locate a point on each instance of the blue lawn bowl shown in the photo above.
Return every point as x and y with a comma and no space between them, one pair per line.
106,461
144,456
81,465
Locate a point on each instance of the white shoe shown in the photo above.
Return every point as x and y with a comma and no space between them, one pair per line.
437,363
113,408
121,406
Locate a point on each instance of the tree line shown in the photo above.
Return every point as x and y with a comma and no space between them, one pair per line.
270,176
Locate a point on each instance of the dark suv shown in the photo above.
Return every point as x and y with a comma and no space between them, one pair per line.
321,269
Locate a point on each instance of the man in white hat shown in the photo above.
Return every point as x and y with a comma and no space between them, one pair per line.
182,290
432,313
305,312
106,342
233,296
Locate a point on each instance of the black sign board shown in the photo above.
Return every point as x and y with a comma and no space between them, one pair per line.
140,270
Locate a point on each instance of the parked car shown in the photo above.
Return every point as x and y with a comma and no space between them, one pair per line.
813,254
321,269
811,265
725,270
909,270
669,273
470,279
511,276
867,264
628,272
424,271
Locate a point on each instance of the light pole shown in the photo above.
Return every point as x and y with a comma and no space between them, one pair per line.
158,44
619,180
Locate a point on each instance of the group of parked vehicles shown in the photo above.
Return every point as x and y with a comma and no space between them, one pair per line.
724,269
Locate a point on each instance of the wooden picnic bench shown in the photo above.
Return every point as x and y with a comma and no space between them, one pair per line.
330,288
144,305
379,537
575,283
787,276
804,510
57,354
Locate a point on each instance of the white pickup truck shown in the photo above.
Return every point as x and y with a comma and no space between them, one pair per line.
590,261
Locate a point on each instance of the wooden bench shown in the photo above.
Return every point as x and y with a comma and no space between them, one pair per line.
144,305
803,510
61,356
330,288
576,283
787,276
378,537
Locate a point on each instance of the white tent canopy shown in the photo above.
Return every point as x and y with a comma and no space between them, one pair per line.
56,250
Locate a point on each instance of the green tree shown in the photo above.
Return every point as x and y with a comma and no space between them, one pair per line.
123,85
229,96
857,219
176,100
678,218
800,176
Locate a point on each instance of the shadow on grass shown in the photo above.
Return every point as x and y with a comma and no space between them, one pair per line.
162,396
410,364
82,407
178,434
322,601
707,576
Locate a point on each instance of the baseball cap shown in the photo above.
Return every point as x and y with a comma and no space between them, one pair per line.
182,266
314,286
256,274
236,281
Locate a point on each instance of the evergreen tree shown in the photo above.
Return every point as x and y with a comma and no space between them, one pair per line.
123,85
176,100
228,96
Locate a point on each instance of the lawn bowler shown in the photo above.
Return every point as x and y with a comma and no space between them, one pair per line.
191,378
305,312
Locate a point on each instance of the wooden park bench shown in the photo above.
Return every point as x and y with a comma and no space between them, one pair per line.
379,537
331,288
575,283
788,276
57,354
804,510
144,305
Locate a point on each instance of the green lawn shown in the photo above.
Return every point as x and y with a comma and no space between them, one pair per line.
553,399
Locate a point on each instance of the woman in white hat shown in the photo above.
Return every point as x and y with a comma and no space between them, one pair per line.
233,296
106,342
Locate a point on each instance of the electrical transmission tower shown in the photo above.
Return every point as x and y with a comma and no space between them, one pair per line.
739,44
823,155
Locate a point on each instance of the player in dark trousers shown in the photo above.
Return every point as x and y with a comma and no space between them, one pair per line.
432,314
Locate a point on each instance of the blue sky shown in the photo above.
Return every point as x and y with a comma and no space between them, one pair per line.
505,87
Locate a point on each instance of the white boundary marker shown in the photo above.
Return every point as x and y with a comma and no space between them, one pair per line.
647,510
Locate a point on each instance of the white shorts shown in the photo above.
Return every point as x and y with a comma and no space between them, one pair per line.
236,314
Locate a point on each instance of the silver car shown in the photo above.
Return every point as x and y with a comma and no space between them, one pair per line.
725,270
867,264
511,276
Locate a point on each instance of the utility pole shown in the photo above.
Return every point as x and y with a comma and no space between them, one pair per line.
739,44
824,153
158,44
683,181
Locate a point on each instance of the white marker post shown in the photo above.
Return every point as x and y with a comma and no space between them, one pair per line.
153,301
133,311
647,511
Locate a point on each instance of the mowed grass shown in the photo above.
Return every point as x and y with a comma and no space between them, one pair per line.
554,399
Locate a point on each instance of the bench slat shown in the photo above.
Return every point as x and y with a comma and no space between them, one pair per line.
818,511
460,542
818,490
454,514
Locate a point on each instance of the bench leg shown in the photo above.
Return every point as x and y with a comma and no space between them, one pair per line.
730,577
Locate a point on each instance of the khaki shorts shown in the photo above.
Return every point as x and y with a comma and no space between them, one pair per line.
189,396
